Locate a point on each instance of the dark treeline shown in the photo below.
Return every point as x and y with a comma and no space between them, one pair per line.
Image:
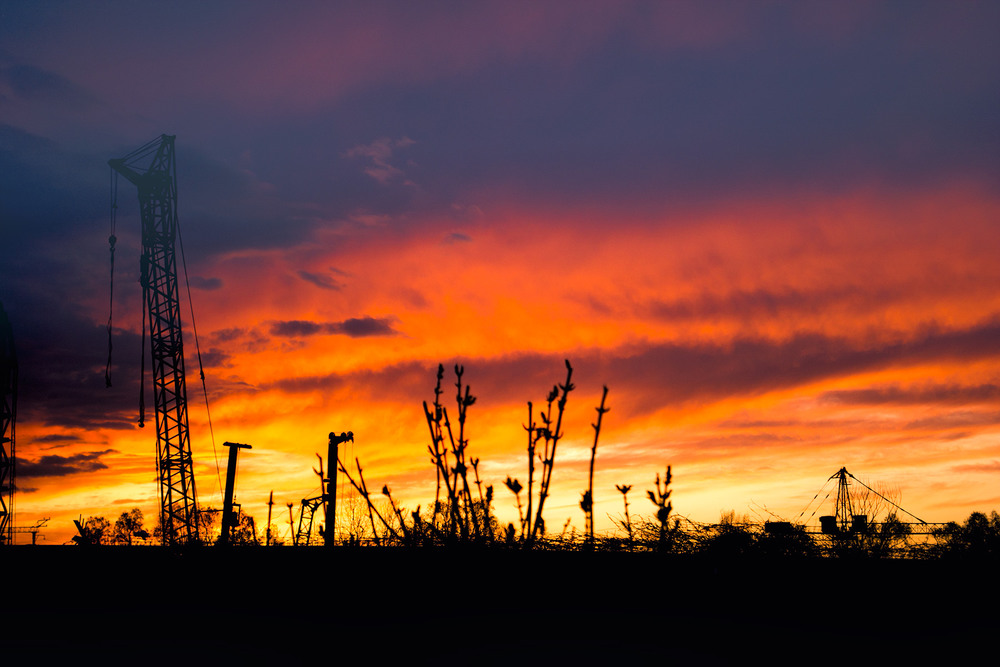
978,537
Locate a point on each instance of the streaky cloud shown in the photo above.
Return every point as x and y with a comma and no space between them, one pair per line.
207,284
56,437
355,327
992,467
379,154
653,376
366,326
932,394
296,328
53,465
457,237
320,280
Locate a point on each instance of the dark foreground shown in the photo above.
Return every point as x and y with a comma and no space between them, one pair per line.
380,606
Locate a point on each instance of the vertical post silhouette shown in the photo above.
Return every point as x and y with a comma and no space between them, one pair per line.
228,515
330,496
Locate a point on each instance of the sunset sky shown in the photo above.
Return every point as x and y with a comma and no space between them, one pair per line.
770,228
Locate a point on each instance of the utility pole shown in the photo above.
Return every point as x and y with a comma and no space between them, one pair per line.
229,517
330,497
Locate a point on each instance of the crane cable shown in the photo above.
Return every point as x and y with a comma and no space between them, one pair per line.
142,380
111,293
112,240
343,486
201,367
809,504
884,498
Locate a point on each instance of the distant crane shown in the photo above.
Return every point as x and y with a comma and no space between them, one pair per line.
845,521
307,515
8,416
34,530
327,498
330,493
151,168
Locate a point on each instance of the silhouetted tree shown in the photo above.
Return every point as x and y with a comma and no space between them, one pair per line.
245,531
886,538
128,526
276,541
352,518
785,540
206,518
978,537
94,531
739,536
732,536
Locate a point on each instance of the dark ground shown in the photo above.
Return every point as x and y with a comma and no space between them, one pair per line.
151,605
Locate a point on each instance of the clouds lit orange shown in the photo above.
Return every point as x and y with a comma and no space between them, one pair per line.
775,242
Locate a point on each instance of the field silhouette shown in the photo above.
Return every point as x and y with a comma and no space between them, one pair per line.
469,605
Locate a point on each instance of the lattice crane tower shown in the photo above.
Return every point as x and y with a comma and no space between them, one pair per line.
8,415
152,170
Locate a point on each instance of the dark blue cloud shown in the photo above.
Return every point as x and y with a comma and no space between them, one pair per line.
54,465
457,237
320,280
361,327
208,284
49,190
355,327
905,96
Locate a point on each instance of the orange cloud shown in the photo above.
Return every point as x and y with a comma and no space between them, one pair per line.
756,347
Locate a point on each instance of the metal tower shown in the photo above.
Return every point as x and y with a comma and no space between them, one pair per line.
152,170
845,510
8,415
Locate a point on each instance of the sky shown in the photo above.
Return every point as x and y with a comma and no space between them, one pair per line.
769,228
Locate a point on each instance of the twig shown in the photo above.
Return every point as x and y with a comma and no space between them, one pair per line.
362,489
532,439
662,500
399,513
624,489
587,504
551,441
